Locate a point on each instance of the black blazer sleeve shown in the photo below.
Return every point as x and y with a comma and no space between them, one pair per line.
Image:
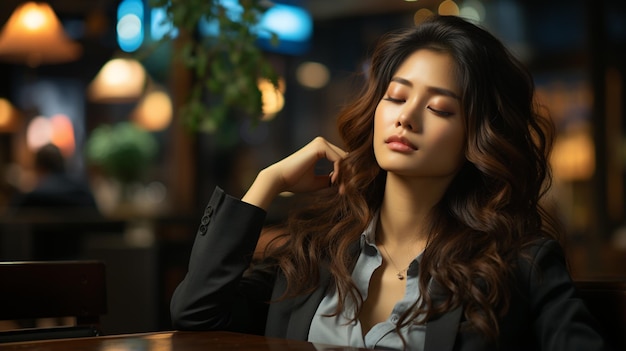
561,319
545,312
215,295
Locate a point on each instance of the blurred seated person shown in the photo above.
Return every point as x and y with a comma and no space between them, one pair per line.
55,188
57,210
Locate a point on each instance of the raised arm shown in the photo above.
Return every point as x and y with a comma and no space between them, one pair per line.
214,293
296,173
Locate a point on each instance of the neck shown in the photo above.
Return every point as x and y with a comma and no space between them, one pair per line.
405,209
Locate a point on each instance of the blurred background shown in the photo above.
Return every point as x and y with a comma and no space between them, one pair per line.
133,178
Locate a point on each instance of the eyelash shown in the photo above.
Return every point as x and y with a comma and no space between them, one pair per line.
440,113
437,112
389,98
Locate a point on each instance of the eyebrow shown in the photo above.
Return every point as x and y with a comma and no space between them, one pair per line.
436,90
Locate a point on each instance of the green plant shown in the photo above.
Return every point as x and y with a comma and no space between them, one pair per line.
226,67
122,151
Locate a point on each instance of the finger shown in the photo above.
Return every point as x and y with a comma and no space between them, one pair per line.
334,175
326,149
335,152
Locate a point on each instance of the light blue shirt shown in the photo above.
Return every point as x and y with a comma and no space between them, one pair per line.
338,330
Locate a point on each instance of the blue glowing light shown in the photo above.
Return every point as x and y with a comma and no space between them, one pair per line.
130,29
233,11
288,22
160,25
293,25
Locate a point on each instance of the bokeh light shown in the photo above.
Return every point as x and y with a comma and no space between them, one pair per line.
473,10
8,116
130,31
119,80
154,112
58,130
312,75
448,8
38,132
273,98
420,15
63,134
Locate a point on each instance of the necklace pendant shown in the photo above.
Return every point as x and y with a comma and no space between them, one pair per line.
400,276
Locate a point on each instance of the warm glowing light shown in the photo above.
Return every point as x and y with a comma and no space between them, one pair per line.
33,19
34,35
154,112
5,112
58,130
313,75
119,80
273,98
38,132
420,15
8,116
573,156
449,8
63,134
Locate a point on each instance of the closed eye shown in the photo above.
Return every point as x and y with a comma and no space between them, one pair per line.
440,113
394,100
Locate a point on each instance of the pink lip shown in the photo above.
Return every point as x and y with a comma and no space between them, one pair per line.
400,143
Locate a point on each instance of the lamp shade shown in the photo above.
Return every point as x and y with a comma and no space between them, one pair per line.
34,35
120,80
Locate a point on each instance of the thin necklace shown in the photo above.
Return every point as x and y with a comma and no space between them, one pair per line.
401,272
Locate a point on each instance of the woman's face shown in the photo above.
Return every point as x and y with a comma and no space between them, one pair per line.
418,124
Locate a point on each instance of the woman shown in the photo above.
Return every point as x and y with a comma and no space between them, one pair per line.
431,235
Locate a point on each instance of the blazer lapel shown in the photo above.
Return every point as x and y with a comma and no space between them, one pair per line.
304,308
441,332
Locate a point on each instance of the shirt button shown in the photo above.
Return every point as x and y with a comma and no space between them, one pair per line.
202,229
394,318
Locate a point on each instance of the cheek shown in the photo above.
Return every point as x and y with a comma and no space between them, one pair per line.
379,127
453,141
385,115
378,120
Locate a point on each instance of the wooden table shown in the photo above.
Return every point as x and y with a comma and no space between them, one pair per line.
172,341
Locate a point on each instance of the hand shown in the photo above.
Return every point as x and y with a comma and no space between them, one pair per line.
295,173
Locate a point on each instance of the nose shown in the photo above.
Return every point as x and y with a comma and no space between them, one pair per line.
409,118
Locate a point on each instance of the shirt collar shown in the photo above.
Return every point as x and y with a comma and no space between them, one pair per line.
369,237
369,234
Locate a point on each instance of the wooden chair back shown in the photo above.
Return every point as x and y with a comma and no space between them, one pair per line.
52,289
607,302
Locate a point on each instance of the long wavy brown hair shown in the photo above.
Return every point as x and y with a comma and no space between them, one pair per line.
490,211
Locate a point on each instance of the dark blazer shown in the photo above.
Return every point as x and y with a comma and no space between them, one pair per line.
221,292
